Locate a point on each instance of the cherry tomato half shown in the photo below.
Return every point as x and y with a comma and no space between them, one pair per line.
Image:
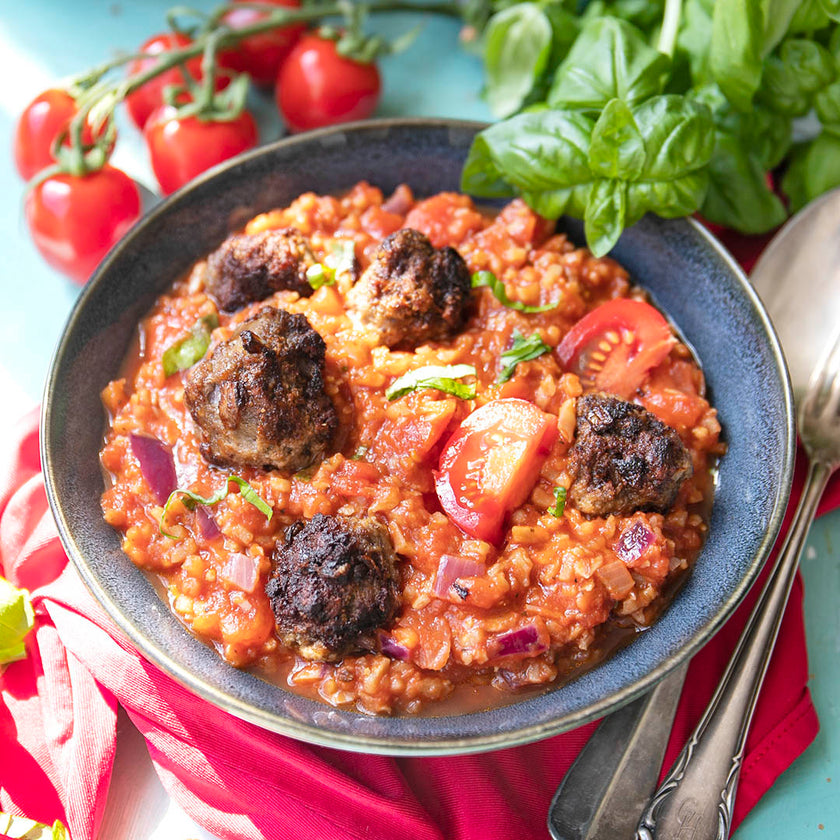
613,347
43,119
143,101
183,147
261,55
317,87
74,221
491,463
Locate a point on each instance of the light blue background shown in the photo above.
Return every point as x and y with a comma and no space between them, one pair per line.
41,42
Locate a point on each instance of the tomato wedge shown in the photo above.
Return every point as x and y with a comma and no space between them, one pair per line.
613,347
490,465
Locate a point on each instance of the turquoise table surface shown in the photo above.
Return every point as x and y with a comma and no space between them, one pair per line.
41,42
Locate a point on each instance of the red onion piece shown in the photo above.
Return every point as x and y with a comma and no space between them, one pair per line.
156,464
399,202
206,523
391,647
525,640
451,568
241,571
634,542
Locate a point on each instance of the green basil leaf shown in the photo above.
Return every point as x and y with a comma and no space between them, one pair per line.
814,169
791,79
679,139
16,620
186,351
609,60
694,37
522,350
437,377
827,105
342,258
777,16
617,149
832,9
518,45
480,175
551,204
735,52
738,195
21,828
320,275
486,279
559,502
191,499
605,215
809,17
538,152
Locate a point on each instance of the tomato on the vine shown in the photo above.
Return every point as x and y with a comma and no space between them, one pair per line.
43,119
490,465
316,86
145,99
75,220
613,347
183,147
260,55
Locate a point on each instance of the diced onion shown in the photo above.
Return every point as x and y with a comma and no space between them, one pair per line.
524,641
156,464
451,568
241,571
634,542
206,523
616,578
391,647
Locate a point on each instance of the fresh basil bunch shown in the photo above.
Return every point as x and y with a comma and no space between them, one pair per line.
626,107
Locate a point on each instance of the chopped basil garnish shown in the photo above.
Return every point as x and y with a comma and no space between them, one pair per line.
522,350
482,279
186,351
320,275
441,378
360,453
191,499
559,502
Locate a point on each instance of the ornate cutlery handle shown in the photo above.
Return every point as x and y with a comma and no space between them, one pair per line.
695,800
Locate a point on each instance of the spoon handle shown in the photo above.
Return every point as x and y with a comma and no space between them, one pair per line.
695,800
604,791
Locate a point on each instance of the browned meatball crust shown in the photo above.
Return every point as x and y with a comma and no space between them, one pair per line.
624,459
259,398
333,584
244,268
412,292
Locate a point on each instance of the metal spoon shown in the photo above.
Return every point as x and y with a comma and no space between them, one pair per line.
797,279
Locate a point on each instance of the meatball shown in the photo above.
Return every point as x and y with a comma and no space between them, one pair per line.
624,459
247,268
412,292
259,398
333,584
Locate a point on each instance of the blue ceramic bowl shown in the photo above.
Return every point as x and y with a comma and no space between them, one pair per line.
690,276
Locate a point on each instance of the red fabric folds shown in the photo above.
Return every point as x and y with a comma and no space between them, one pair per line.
58,724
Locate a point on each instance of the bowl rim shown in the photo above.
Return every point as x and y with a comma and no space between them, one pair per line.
287,725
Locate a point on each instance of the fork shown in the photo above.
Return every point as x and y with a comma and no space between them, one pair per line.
694,802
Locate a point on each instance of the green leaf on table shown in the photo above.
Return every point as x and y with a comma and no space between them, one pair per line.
735,52
22,828
814,169
518,44
533,152
609,60
16,620
617,149
605,215
189,349
738,195
679,140
522,350
792,78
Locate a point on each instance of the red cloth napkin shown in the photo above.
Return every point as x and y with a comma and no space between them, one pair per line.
58,720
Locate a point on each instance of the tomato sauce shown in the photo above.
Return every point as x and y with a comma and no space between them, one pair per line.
550,596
